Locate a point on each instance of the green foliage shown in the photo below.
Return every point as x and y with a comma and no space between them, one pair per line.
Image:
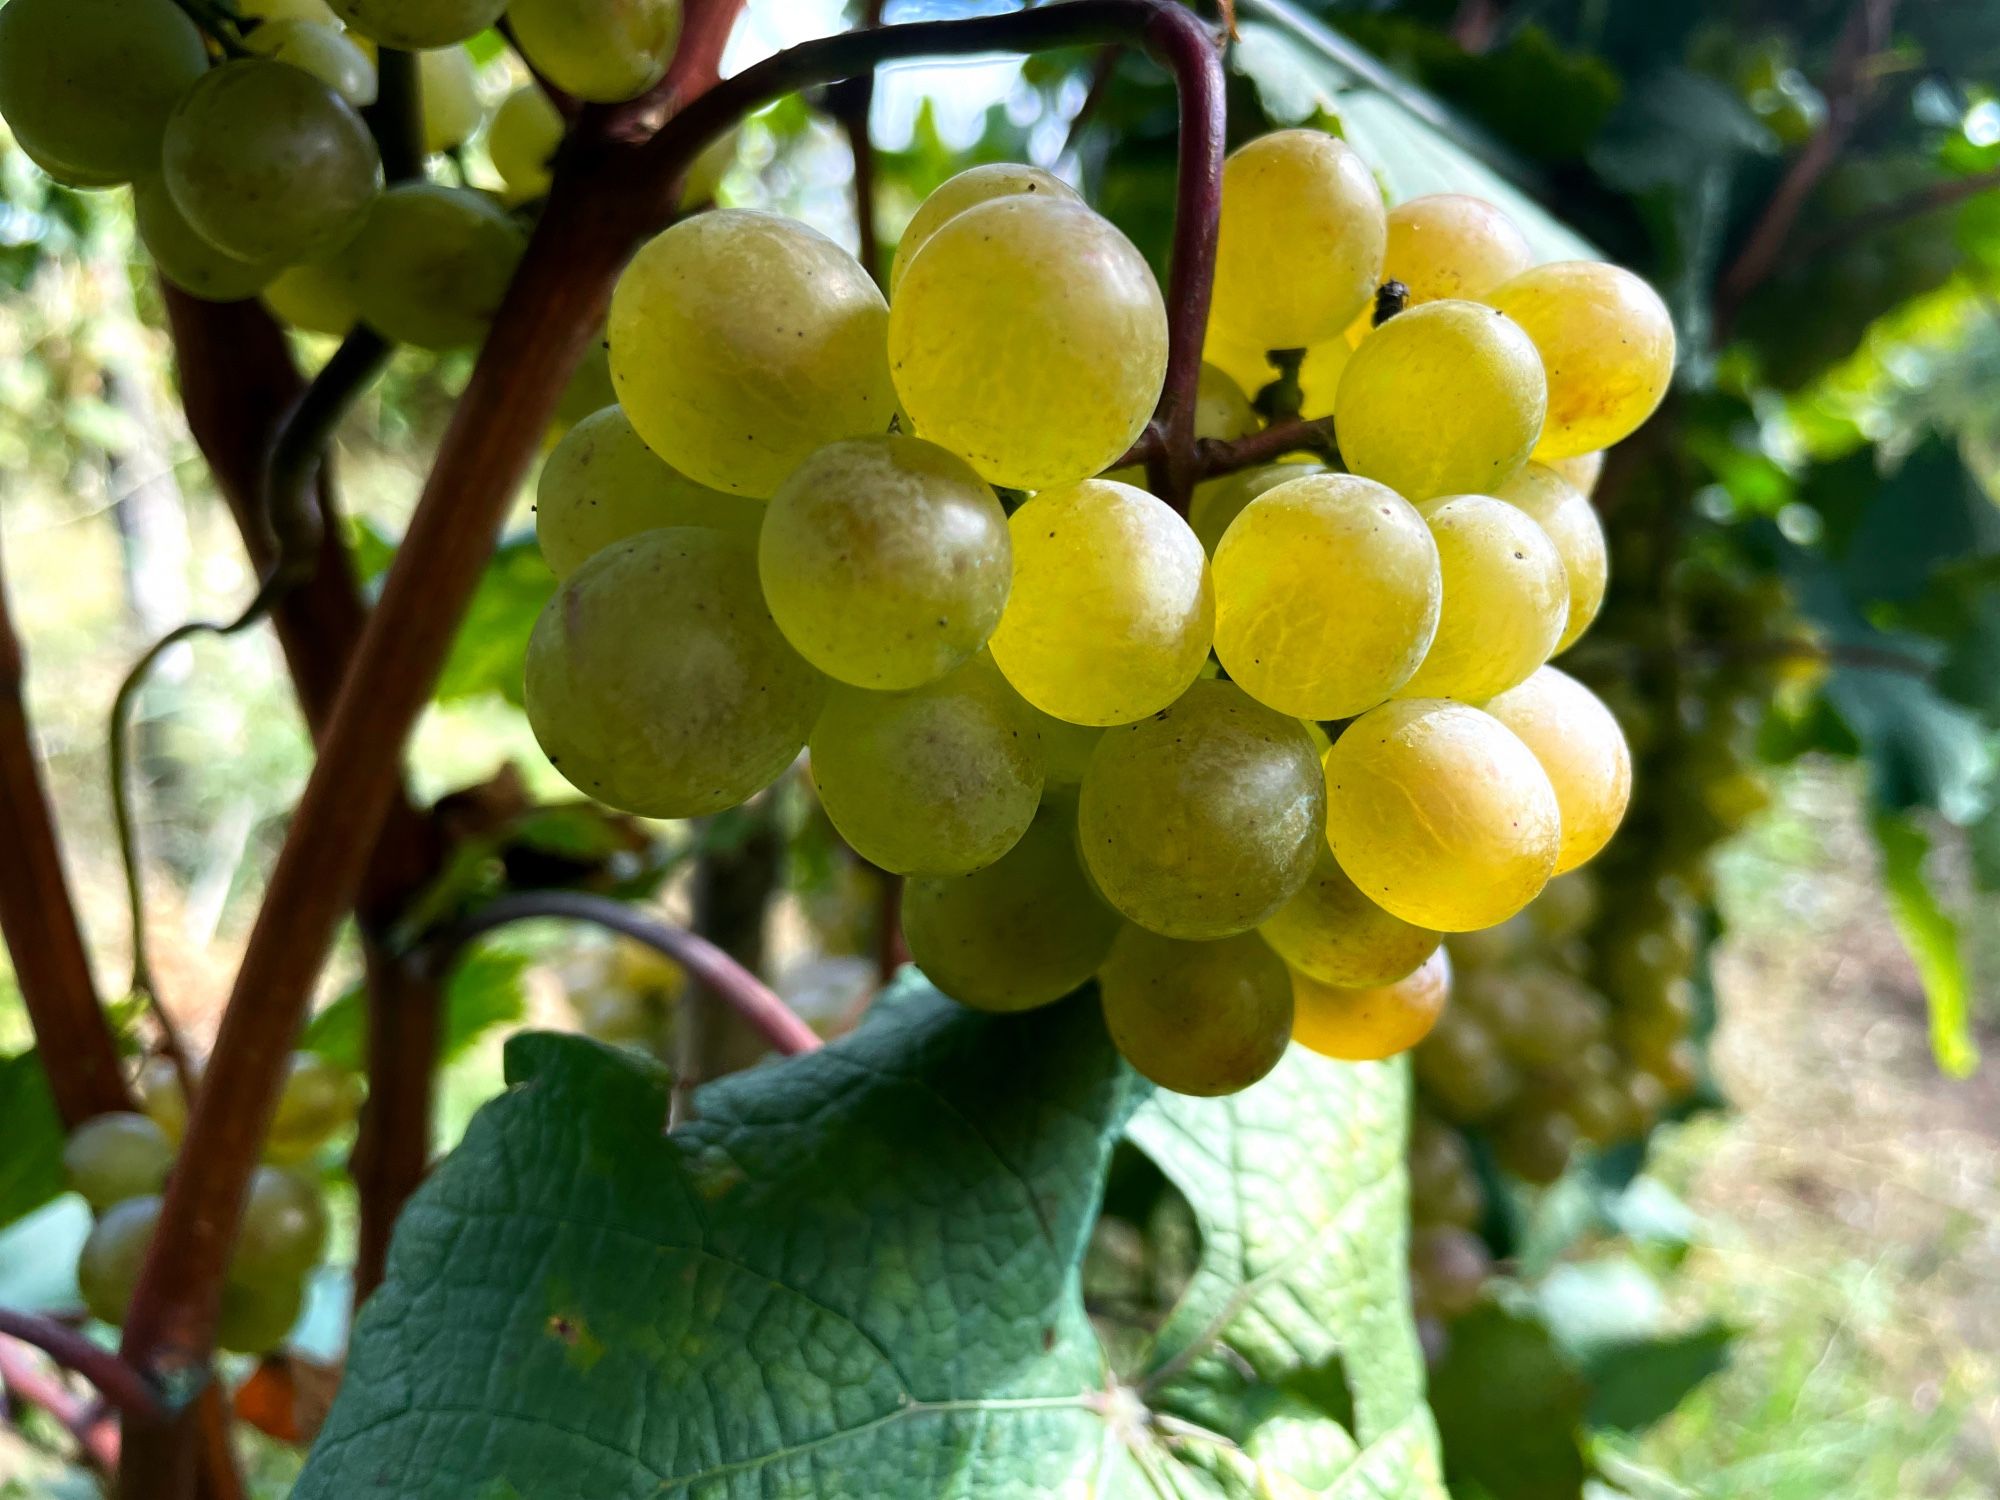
1932,936
31,1170
485,991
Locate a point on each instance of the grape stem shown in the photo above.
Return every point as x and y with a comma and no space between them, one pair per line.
123,1386
1313,435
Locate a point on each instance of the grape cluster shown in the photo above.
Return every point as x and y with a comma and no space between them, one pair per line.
119,1163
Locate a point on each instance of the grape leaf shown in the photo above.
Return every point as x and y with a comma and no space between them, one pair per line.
858,1273
31,1170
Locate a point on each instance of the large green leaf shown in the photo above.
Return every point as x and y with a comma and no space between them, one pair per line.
31,1138
858,1273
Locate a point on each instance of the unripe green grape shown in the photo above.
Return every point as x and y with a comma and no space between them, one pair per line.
414,25
741,342
87,86
1450,1267
1024,931
268,163
112,1157
1462,1070
1111,613
449,82
1218,502
1607,342
522,142
314,296
975,185
1505,600
1030,338
1440,814
326,52
601,50
184,257
657,681
1581,747
1332,932
1197,1018
1299,250
1370,1023
1202,819
1570,520
107,1269
432,264
1558,1020
885,561
940,780
283,1231
1327,594
319,1100
601,484
256,1317
1581,470
1444,399
162,1098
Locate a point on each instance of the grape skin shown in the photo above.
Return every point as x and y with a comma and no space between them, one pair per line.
112,1157
1330,931
1369,1024
1251,368
107,1269
414,25
323,51
1445,245
522,142
314,296
162,1098
318,1101
284,1229
450,88
601,50
1066,747
1570,520
256,1317
1581,471
955,195
1581,747
1505,600
183,257
432,264
1197,1018
1218,502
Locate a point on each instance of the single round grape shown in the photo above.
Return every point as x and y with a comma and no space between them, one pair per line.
268,163
741,342
414,25
1029,338
1581,471
1300,247
940,780
1202,819
432,264
319,1100
162,1098
1445,245
1367,1025
1607,342
257,1317
184,257
110,1158
1332,932
602,50
1450,1267
1570,520
522,142
1535,1142
449,84
1327,594
975,185
107,1269
1505,599
87,85
1444,399
1581,747
1027,929
1197,1018
601,484
885,561
1550,1018
1218,502
314,296
326,52
284,1228
1440,814
657,681
1111,613
1462,1070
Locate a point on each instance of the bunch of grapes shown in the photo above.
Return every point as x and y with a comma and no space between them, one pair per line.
120,1163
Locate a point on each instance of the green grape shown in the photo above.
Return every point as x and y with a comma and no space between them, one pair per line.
257,1317
432,264
522,142
316,11
414,25
1505,599
1066,747
110,1158
449,84
975,185
940,780
314,296
326,52
184,257
1299,251
657,681
162,1098
1447,245
1450,1267
1027,929
1202,820
741,342
1218,502
1607,342
1440,814
1332,932
1601,1112
1535,1142
1327,594
1559,1018
1029,338
1462,1068
602,485
319,1100
284,1229
601,50
885,561
1197,1018
703,178
107,1269
268,163
1583,751
1569,904
1561,510
1581,470
1111,613
1371,1023
1443,399
1444,1188
87,85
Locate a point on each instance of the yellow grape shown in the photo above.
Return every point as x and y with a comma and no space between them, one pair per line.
1197,1018
601,50
741,342
432,264
1444,399
1327,593
315,296
1368,1024
326,52
184,257
1218,502
319,1100
449,84
1202,820
1607,341
414,25
1440,814
522,142
1111,613
1570,520
1000,179
1331,931
1300,246
1581,747
1448,245
1582,470
1505,599
161,1096
1029,337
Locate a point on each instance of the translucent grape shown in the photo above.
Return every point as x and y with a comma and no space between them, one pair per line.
449,84
316,296
1197,1018
1111,613
256,1317
1029,338
1300,247
1444,399
941,780
1366,1025
1505,600
1570,520
87,85
974,185
1445,245
184,257
1607,341
1581,747
601,50
110,1158
414,25
741,342
268,163
1025,930
1582,471
1332,932
1440,814
522,142
432,263
326,52
658,682
108,1267
1327,594
162,1098
319,1100
885,561
1066,747
1218,502
284,1228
